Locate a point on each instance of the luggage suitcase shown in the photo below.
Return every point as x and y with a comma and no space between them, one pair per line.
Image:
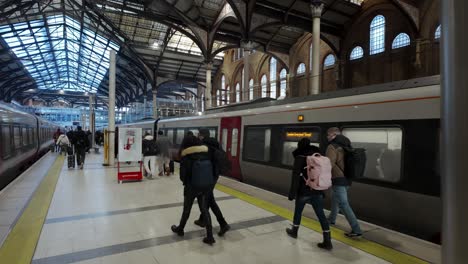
71,161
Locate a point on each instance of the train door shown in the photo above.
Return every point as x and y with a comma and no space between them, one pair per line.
230,142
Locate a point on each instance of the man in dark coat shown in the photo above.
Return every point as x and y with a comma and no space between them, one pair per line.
81,144
213,144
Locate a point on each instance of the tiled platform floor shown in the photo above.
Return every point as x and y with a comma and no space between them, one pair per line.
93,219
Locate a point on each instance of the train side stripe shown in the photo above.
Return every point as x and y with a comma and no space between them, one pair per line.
20,245
378,250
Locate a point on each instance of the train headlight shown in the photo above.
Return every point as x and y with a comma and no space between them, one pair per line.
300,118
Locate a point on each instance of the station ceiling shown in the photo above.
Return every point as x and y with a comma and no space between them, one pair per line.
54,47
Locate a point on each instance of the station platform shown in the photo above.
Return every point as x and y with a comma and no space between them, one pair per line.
85,216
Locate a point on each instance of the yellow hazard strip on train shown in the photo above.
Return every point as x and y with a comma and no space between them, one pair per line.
383,252
20,245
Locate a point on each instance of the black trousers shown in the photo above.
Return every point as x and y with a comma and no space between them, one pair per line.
189,196
214,208
80,155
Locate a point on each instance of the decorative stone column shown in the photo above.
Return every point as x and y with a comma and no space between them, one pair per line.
209,67
245,85
316,8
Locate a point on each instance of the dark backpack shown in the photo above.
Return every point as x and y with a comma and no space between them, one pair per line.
81,141
202,174
355,162
150,148
221,161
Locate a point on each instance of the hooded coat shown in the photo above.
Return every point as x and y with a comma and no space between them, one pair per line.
188,157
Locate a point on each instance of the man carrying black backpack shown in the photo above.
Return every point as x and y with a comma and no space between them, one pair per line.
196,174
213,148
81,144
336,153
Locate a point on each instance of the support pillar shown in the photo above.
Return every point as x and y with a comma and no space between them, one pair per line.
155,104
454,122
245,85
144,106
316,8
111,116
209,67
92,127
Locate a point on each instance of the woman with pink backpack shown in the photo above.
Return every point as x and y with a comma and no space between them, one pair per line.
303,193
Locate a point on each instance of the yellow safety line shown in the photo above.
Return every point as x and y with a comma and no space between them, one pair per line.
378,250
21,243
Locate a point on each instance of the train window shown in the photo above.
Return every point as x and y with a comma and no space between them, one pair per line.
292,135
24,133
180,135
17,137
170,135
31,135
224,138
194,131
213,134
234,142
6,141
383,148
257,143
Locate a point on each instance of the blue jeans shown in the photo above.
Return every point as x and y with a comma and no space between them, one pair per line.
316,201
340,202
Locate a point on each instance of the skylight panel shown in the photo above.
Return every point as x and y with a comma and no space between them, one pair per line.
77,56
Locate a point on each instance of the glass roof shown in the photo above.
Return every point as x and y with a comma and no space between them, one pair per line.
181,43
60,54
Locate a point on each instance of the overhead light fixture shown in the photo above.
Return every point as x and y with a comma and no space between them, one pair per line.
61,91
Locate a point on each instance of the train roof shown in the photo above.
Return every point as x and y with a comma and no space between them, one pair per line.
401,90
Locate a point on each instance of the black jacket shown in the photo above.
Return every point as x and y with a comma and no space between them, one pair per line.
212,145
189,155
81,140
298,187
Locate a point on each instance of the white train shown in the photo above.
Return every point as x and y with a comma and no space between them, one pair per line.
398,124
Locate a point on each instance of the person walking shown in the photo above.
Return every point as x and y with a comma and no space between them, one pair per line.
163,158
56,136
336,153
195,168
81,144
63,142
303,194
150,150
213,145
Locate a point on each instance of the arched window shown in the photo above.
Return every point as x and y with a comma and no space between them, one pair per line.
401,40
237,93
223,86
283,83
228,95
329,61
273,73
437,33
310,56
218,97
377,35
202,96
301,69
264,86
356,53
251,90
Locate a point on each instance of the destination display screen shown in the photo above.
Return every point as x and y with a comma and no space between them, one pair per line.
297,133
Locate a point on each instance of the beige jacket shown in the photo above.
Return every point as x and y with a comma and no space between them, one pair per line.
336,156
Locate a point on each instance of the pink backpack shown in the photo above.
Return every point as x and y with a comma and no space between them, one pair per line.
318,172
